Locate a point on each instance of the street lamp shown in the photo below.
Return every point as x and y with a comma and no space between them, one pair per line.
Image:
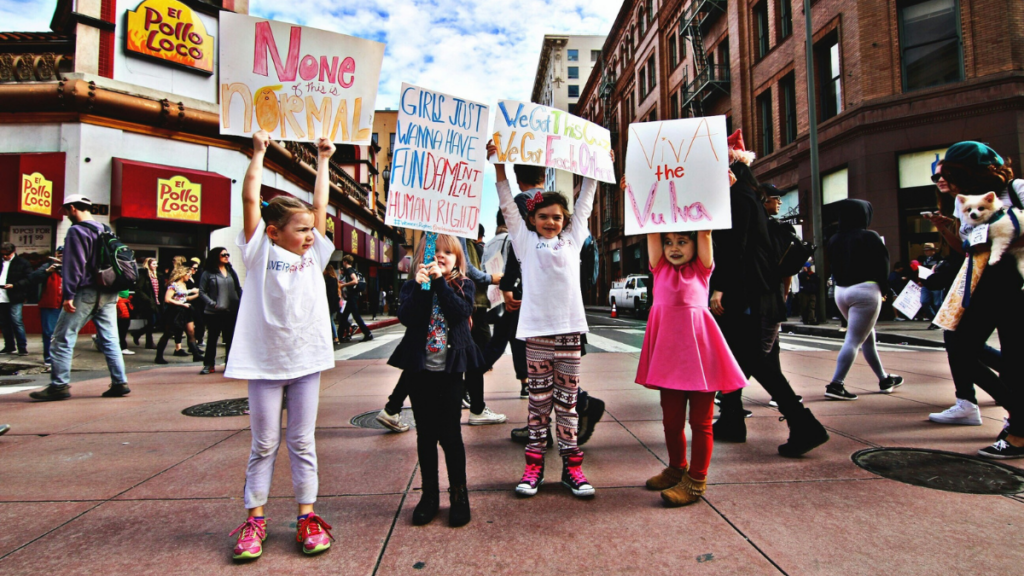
387,179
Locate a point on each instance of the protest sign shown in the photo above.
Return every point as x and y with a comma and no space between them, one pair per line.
437,166
677,176
496,265
909,300
528,133
923,272
299,83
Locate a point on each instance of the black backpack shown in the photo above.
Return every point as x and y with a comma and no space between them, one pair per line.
793,252
360,287
115,266
590,263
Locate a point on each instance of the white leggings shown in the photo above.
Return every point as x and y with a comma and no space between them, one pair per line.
301,396
860,305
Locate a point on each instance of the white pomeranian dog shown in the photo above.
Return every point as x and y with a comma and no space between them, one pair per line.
979,210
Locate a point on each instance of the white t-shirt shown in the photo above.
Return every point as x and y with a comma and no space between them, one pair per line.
552,299
1004,197
283,329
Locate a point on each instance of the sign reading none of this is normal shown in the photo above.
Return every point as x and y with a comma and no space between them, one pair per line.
677,176
179,199
295,82
527,133
438,163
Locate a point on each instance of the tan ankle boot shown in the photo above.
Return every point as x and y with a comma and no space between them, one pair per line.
668,478
686,492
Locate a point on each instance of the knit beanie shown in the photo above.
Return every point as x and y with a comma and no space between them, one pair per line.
972,154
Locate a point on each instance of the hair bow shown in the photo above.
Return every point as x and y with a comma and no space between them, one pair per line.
532,202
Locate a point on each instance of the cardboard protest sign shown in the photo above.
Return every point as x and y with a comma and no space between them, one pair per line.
437,167
295,82
923,272
528,133
909,300
952,307
496,265
677,176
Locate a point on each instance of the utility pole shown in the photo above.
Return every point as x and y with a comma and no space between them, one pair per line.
812,117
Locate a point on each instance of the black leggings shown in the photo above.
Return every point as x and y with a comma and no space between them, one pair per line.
172,329
217,324
437,406
747,337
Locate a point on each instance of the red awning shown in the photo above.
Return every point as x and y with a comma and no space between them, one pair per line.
155,192
33,183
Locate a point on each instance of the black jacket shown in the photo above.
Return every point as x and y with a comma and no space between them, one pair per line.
145,301
333,297
855,253
414,308
208,290
18,270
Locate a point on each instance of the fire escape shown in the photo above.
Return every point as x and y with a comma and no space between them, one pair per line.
708,80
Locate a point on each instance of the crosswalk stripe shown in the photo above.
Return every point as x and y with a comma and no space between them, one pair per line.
349,352
16,389
609,345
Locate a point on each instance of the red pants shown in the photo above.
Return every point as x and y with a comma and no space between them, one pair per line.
673,409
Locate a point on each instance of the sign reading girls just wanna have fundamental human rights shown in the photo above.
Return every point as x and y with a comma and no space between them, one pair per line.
295,82
528,133
438,161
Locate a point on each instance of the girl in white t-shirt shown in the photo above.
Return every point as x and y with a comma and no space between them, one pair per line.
551,320
282,343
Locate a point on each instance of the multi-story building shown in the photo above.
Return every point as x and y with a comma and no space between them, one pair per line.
896,83
563,69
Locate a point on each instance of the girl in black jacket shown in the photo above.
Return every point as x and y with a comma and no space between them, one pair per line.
435,352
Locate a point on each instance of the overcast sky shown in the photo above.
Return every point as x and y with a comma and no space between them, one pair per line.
481,50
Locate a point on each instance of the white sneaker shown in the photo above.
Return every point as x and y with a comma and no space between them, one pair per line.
127,352
486,417
392,422
963,412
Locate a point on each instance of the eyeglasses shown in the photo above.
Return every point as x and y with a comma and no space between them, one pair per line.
936,177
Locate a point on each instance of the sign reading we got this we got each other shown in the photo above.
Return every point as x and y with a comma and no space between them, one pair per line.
437,166
677,176
297,83
528,133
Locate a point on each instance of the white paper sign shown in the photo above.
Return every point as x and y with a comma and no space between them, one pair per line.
528,133
295,82
923,272
979,235
437,166
909,301
677,176
496,265
31,238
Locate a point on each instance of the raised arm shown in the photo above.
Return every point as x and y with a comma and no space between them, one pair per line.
705,249
654,248
499,169
251,214
322,188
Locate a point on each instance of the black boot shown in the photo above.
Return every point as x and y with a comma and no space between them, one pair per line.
425,511
805,434
730,427
458,514
160,358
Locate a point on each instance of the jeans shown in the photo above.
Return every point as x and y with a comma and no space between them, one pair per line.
437,407
352,307
48,318
12,326
930,302
101,308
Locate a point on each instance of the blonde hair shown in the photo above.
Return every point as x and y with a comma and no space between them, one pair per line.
280,210
179,261
448,243
179,273
145,266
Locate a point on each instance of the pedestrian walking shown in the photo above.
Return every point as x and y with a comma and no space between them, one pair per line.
13,270
49,300
220,291
383,304
354,287
148,295
198,305
177,315
931,299
860,266
810,283
684,357
284,344
83,301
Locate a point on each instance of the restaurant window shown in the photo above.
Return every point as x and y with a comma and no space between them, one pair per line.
764,111
930,43
761,27
787,106
830,93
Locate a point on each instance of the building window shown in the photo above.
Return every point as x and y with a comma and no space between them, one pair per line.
788,108
761,30
641,20
652,74
573,55
723,51
376,138
574,90
574,72
649,5
572,108
643,83
785,19
632,107
391,143
673,52
835,186
930,43
595,55
830,93
682,48
673,103
764,112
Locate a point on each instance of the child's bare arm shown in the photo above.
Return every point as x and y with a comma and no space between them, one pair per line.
322,188
499,169
251,185
654,248
705,250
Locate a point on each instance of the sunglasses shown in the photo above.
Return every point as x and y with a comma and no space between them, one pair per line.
936,177
225,255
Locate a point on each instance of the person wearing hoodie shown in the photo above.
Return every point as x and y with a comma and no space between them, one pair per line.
860,266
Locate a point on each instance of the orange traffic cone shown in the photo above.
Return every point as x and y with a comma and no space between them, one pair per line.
614,313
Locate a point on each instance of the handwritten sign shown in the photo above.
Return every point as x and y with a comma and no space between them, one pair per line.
527,133
677,176
437,168
32,238
909,300
299,83
36,193
179,199
169,30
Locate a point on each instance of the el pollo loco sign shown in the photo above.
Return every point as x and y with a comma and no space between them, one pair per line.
36,194
170,31
179,199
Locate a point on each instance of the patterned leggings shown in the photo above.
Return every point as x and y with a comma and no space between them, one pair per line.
553,364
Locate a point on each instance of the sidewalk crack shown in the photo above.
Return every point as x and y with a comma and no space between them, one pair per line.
394,521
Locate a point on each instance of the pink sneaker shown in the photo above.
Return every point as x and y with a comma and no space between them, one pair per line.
314,533
250,540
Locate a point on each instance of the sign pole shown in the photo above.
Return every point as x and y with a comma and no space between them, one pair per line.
816,199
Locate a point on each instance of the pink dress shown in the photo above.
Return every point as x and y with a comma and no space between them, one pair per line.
683,347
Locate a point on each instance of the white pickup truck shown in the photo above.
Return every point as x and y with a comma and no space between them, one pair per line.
630,293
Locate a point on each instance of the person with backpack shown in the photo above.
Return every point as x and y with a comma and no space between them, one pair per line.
354,286
87,296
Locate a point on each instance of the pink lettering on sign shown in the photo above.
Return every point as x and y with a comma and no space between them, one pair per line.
308,67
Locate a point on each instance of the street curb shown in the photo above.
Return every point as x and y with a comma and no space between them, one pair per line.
381,324
883,337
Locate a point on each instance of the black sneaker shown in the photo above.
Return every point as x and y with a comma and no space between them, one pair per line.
8,351
116,391
891,382
836,391
522,436
573,477
589,419
52,393
1002,450
22,352
180,352
524,392
368,337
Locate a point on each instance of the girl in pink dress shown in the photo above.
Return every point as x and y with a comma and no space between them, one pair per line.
686,358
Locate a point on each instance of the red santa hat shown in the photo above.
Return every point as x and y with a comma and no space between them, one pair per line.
737,151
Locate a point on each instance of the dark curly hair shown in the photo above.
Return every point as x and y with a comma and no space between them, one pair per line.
975,180
550,199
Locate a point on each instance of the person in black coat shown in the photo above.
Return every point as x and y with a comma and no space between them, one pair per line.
12,297
220,292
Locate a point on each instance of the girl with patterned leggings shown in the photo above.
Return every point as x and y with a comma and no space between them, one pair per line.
551,319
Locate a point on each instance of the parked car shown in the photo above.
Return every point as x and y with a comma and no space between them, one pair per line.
630,293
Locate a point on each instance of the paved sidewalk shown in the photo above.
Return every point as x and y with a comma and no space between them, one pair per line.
131,486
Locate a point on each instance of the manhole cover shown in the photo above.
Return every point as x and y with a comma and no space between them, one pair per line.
946,471
234,407
369,419
16,381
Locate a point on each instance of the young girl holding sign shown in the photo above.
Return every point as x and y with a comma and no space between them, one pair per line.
551,320
435,352
685,357
283,342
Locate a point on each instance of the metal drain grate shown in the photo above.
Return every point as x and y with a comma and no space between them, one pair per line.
946,471
234,407
369,419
